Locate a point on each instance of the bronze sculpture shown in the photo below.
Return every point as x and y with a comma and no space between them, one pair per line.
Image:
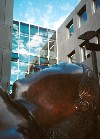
62,101
15,121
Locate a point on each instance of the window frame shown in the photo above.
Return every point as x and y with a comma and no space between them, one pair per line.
69,26
70,57
84,53
81,14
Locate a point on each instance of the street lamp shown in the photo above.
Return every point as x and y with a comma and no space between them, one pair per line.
91,46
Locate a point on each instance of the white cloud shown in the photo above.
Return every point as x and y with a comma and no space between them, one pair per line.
69,6
29,19
66,7
48,19
57,23
15,27
23,51
49,9
49,23
36,41
14,70
31,13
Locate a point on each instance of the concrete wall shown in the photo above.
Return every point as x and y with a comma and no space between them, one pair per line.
6,22
67,45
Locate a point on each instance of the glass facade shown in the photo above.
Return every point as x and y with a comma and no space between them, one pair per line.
27,44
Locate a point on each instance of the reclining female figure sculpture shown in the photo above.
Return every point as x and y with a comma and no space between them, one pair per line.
63,100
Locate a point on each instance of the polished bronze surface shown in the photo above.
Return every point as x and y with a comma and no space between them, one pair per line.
60,102
15,121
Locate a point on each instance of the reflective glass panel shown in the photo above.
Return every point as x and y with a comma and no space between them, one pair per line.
44,53
15,55
43,32
14,71
42,59
50,33
15,27
10,87
33,51
14,43
33,30
53,55
23,68
14,67
15,36
21,75
23,58
13,78
71,30
31,58
83,17
24,28
24,44
35,41
44,41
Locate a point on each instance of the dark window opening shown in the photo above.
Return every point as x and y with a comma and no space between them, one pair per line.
70,28
84,53
71,57
97,4
83,16
88,55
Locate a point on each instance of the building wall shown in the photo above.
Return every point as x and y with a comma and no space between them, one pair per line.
66,45
6,22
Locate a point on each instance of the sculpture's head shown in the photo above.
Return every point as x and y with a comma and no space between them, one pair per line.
15,121
63,92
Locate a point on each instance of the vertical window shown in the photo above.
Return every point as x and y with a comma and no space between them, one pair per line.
82,16
84,53
97,3
70,28
71,57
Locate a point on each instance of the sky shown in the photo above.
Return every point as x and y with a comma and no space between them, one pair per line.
45,13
